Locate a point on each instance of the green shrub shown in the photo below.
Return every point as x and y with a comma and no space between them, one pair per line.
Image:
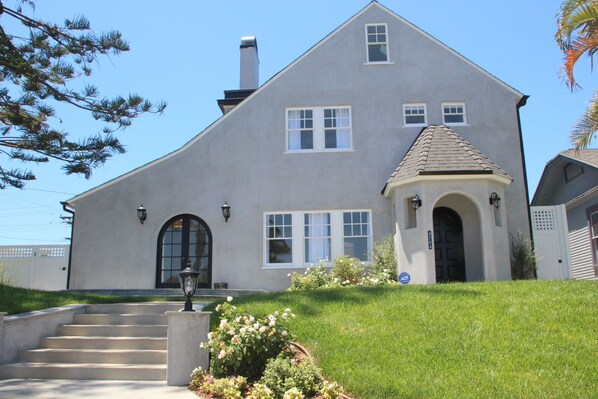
260,391
242,344
523,259
313,277
383,258
283,374
5,278
330,390
347,271
225,388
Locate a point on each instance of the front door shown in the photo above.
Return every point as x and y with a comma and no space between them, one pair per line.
448,246
184,238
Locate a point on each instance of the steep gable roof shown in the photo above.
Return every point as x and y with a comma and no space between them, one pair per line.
438,150
372,4
587,157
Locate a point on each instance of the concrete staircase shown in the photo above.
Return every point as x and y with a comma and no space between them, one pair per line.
109,342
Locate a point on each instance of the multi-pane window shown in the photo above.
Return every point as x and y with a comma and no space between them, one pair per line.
453,113
415,114
594,232
337,128
356,233
300,127
377,42
279,238
319,129
317,236
298,238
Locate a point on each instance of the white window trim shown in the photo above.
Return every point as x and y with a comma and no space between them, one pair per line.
367,53
337,240
405,124
266,239
319,138
593,239
449,103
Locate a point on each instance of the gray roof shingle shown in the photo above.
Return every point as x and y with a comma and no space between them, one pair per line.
588,156
438,150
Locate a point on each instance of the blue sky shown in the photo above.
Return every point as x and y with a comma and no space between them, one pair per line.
187,53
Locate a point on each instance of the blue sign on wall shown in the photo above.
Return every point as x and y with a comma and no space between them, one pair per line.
404,278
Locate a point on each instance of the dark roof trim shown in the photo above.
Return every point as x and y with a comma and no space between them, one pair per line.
457,172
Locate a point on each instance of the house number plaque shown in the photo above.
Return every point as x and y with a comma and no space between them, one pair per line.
429,239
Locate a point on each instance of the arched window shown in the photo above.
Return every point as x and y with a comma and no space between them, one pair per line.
184,237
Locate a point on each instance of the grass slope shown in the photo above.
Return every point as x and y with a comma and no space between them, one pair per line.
19,300
526,339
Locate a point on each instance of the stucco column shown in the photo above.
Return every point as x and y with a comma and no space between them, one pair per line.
186,331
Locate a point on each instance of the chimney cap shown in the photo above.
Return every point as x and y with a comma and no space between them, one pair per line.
248,41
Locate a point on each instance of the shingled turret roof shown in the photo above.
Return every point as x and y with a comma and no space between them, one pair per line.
438,150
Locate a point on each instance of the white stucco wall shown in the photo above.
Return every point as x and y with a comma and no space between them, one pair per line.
241,159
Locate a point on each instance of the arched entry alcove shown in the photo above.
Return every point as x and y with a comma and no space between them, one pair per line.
449,253
184,237
463,208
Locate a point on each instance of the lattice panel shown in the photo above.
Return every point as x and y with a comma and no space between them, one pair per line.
543,220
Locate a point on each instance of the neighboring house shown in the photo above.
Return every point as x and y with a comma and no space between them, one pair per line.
569,184
378,129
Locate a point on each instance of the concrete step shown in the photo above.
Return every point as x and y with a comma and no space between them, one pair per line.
66,342
135,308
114,356
113,331
121,319
84,371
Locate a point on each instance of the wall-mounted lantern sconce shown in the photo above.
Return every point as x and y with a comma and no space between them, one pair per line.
188,278
494,200
141,214
225,211
416,202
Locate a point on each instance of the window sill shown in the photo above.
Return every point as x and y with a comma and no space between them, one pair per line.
379,63
456,124
416,125
282,266
318,151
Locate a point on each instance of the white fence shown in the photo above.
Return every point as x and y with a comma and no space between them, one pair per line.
42,267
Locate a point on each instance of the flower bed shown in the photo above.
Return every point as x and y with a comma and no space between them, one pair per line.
254,358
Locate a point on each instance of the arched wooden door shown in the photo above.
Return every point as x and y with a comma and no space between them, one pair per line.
182,238
448,246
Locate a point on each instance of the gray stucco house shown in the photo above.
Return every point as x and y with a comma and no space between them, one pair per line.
569,182
378,129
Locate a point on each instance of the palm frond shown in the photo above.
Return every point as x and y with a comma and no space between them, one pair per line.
586,127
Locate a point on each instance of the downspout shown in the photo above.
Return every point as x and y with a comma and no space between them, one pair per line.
65,206
520,104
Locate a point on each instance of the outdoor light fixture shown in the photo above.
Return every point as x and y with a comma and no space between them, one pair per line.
141,214
225,211
188,278
494,200
416,202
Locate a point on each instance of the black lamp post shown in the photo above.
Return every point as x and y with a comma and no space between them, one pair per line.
225,211
188,278
141,214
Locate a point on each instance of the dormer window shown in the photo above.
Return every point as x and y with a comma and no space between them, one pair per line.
377,43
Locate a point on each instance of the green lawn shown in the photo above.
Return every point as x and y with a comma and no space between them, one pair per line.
525,339
19,300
